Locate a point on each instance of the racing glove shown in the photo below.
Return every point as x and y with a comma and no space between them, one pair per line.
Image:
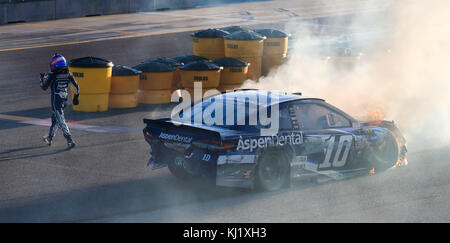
45,82
75,100
41,79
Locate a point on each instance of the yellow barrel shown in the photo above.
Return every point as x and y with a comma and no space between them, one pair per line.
271,62
124,80
276,42
154,96
176,83
224,88
173,62
191,91
186,59
275,46
275,49
166,60
123,100
209,43
234,28
344,59
124,85
234,71
93,80
210,48
155,76
93,75
244,43
254,70
155,81
238,48
207,73
246,46
92,102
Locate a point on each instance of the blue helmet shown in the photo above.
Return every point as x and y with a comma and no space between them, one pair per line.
57,62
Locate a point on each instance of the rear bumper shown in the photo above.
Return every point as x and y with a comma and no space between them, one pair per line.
226,169
236,169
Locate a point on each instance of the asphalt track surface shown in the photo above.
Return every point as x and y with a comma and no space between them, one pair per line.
105,178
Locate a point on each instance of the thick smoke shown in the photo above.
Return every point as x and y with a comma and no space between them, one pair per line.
409,83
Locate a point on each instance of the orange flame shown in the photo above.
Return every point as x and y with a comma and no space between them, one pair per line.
401,160
375,115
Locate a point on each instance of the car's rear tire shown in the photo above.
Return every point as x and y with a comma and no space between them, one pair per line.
272,171
177,169
385,153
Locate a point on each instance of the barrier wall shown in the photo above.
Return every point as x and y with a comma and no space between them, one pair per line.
13,11
26,11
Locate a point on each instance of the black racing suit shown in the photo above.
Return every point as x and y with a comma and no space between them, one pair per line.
58,82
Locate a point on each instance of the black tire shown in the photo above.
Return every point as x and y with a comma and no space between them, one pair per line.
384,154
178,170
272,171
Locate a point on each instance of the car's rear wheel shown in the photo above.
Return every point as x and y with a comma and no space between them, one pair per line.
176,167
272,171
384,153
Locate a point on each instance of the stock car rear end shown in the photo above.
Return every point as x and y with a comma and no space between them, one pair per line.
313,139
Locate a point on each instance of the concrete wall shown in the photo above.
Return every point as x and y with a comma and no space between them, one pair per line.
28,11
12,11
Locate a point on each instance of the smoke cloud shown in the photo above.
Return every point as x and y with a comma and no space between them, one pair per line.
407,82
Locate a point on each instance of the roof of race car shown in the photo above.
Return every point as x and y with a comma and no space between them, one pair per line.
263,94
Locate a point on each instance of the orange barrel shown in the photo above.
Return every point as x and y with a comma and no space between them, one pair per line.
209,43
234,71
155,82
246,46
208,73
124,86
93,75
234,28
275,49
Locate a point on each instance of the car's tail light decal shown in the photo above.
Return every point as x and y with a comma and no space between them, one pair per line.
212,145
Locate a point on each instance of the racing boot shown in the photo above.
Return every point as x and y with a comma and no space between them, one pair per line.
70,143
47,140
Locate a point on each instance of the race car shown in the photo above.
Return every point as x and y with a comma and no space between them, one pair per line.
313,139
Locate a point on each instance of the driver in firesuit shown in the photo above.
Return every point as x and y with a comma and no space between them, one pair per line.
58,79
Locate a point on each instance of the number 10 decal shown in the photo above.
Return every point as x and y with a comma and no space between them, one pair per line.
344,142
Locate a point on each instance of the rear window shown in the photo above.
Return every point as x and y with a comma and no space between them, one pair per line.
243,114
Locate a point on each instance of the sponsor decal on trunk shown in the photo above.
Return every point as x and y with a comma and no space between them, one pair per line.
264,142
175,137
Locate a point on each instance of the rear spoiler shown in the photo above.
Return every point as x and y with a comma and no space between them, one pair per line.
166,123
